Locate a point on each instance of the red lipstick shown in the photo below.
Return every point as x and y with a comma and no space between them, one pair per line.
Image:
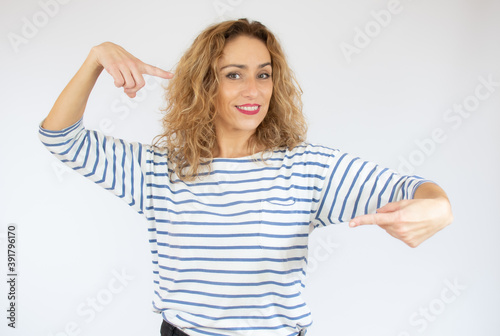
248,109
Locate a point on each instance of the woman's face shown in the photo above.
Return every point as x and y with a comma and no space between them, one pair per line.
245,88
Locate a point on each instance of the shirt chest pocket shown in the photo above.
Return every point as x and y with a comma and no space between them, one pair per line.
283,225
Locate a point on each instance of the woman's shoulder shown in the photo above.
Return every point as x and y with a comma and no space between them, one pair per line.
314,149
309,152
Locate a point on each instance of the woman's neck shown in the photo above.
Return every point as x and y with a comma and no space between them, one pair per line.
234,147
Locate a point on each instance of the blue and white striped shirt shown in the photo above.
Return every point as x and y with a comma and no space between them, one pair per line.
230,249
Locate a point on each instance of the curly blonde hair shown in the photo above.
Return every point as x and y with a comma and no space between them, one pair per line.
189,131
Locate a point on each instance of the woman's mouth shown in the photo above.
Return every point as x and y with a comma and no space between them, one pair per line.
249,109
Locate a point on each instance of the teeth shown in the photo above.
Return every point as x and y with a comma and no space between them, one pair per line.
248,108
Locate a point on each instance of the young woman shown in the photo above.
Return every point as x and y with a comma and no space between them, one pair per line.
231,189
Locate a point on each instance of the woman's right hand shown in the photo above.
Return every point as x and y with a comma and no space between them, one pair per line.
126,70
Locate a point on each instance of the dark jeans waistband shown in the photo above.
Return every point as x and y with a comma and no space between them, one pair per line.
168,329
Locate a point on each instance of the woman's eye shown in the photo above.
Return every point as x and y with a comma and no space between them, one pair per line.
232,75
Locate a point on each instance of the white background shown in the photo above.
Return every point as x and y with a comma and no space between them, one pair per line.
74,237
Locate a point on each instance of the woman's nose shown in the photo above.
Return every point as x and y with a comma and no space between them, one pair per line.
250,89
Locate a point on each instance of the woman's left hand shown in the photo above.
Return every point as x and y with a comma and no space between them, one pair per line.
412,221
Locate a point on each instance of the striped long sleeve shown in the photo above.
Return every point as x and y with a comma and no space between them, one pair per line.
114,164
354,187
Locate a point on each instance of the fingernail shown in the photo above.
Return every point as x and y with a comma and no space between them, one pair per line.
352,224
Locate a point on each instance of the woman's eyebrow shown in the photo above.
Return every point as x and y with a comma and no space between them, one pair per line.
243,66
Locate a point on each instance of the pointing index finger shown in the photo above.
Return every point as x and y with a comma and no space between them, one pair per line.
373,219
154,71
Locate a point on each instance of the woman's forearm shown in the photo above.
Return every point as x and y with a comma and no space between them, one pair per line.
70,105
435,192
429,190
